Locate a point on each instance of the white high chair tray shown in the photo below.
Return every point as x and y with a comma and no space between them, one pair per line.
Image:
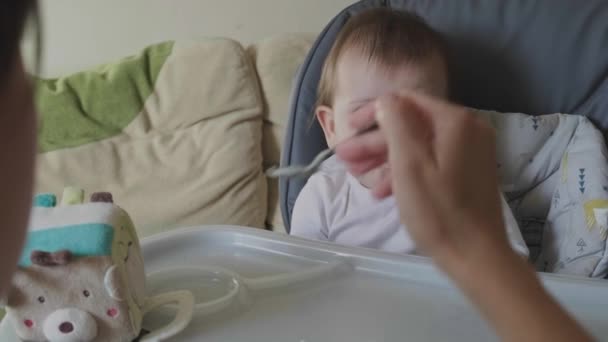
378,297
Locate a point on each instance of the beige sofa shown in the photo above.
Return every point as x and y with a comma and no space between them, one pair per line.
277,60
196,153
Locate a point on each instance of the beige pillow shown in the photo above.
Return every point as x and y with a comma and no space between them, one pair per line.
192,153
277,60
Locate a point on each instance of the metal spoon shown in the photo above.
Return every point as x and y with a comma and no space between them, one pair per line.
312,167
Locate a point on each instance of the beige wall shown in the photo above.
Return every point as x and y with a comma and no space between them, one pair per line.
82,33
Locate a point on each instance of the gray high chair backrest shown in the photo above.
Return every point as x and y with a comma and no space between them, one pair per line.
528,56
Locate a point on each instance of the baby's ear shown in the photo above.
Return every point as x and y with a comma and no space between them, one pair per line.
325,115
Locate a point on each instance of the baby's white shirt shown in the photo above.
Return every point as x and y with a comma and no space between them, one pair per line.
333,206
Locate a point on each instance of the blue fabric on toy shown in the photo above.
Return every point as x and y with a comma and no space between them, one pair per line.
45,200
81,240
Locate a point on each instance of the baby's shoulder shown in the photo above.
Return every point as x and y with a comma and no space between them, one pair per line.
331,179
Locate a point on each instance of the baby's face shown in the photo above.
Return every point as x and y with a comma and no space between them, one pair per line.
359,82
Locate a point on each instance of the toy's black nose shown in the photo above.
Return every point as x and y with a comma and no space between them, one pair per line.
66,327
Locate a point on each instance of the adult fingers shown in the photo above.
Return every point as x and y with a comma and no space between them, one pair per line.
361,148
384,187
363,117
438,109
361,167
406,129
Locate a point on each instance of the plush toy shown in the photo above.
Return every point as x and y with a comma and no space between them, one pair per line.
81,275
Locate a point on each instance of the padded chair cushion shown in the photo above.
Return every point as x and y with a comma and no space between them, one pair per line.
528,56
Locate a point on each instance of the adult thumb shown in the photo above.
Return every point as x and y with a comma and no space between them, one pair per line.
406,129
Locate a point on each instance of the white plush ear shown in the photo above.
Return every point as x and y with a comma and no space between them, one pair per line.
4,300
5,296
113,284
14,294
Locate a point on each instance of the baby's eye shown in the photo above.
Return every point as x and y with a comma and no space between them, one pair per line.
360,105
41,299
357,107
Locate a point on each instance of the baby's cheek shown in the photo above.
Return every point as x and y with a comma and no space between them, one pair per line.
344,131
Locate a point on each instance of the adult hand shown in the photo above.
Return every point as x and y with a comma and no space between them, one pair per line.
17,152
442,172
443,175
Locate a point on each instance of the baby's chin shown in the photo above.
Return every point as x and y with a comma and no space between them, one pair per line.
373,177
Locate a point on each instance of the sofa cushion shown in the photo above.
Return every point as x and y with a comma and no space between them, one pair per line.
174,133
277,60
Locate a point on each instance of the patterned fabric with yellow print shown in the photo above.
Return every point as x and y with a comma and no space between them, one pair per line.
554,171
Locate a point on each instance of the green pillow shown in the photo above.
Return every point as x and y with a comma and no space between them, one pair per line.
72,113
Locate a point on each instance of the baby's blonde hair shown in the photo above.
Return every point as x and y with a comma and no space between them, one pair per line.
387,38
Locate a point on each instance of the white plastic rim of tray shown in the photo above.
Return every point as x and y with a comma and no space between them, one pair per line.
387,297
215,288
383,297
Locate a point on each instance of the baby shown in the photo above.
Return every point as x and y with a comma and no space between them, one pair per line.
379,51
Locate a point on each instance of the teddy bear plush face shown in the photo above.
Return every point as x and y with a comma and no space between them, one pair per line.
61,298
